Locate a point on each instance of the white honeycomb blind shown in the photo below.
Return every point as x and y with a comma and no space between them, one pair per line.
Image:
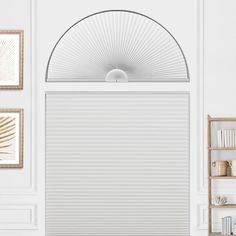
117,164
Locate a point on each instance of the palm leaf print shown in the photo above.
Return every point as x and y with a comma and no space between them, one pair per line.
7,133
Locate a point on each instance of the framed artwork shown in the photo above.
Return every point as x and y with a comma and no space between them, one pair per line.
11,138
11,59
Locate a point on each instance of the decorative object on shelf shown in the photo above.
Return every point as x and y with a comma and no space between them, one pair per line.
234,228
137,45
11,59
227,225
220,168
232,164
11,138
219,200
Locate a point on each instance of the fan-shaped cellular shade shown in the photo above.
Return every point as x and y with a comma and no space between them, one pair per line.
134,44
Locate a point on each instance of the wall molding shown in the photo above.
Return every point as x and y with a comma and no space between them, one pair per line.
202,218
18,217
202,215
202,166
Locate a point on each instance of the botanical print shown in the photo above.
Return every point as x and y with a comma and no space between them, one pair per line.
7,136
11,59
10,139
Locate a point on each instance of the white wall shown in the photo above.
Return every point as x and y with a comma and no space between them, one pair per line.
18,198
22,190
220,82
220,57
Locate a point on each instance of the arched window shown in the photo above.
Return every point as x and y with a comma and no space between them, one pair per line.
117,155
117,45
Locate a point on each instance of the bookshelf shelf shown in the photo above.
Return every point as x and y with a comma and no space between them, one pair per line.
223,206
219,234
211,149
220,119
222,177
223,149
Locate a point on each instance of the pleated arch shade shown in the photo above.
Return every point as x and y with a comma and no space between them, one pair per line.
117,45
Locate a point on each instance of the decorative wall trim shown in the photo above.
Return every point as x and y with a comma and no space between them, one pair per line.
19,217
202,218
202,214
202,166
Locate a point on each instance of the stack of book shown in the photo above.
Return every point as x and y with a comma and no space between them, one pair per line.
226,138
227,225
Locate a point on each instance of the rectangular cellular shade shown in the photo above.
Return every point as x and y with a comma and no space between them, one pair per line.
117,164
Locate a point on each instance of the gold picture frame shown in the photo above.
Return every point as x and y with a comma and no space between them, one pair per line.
11,138
12,54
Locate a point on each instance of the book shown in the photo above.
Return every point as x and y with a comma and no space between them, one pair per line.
219,138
